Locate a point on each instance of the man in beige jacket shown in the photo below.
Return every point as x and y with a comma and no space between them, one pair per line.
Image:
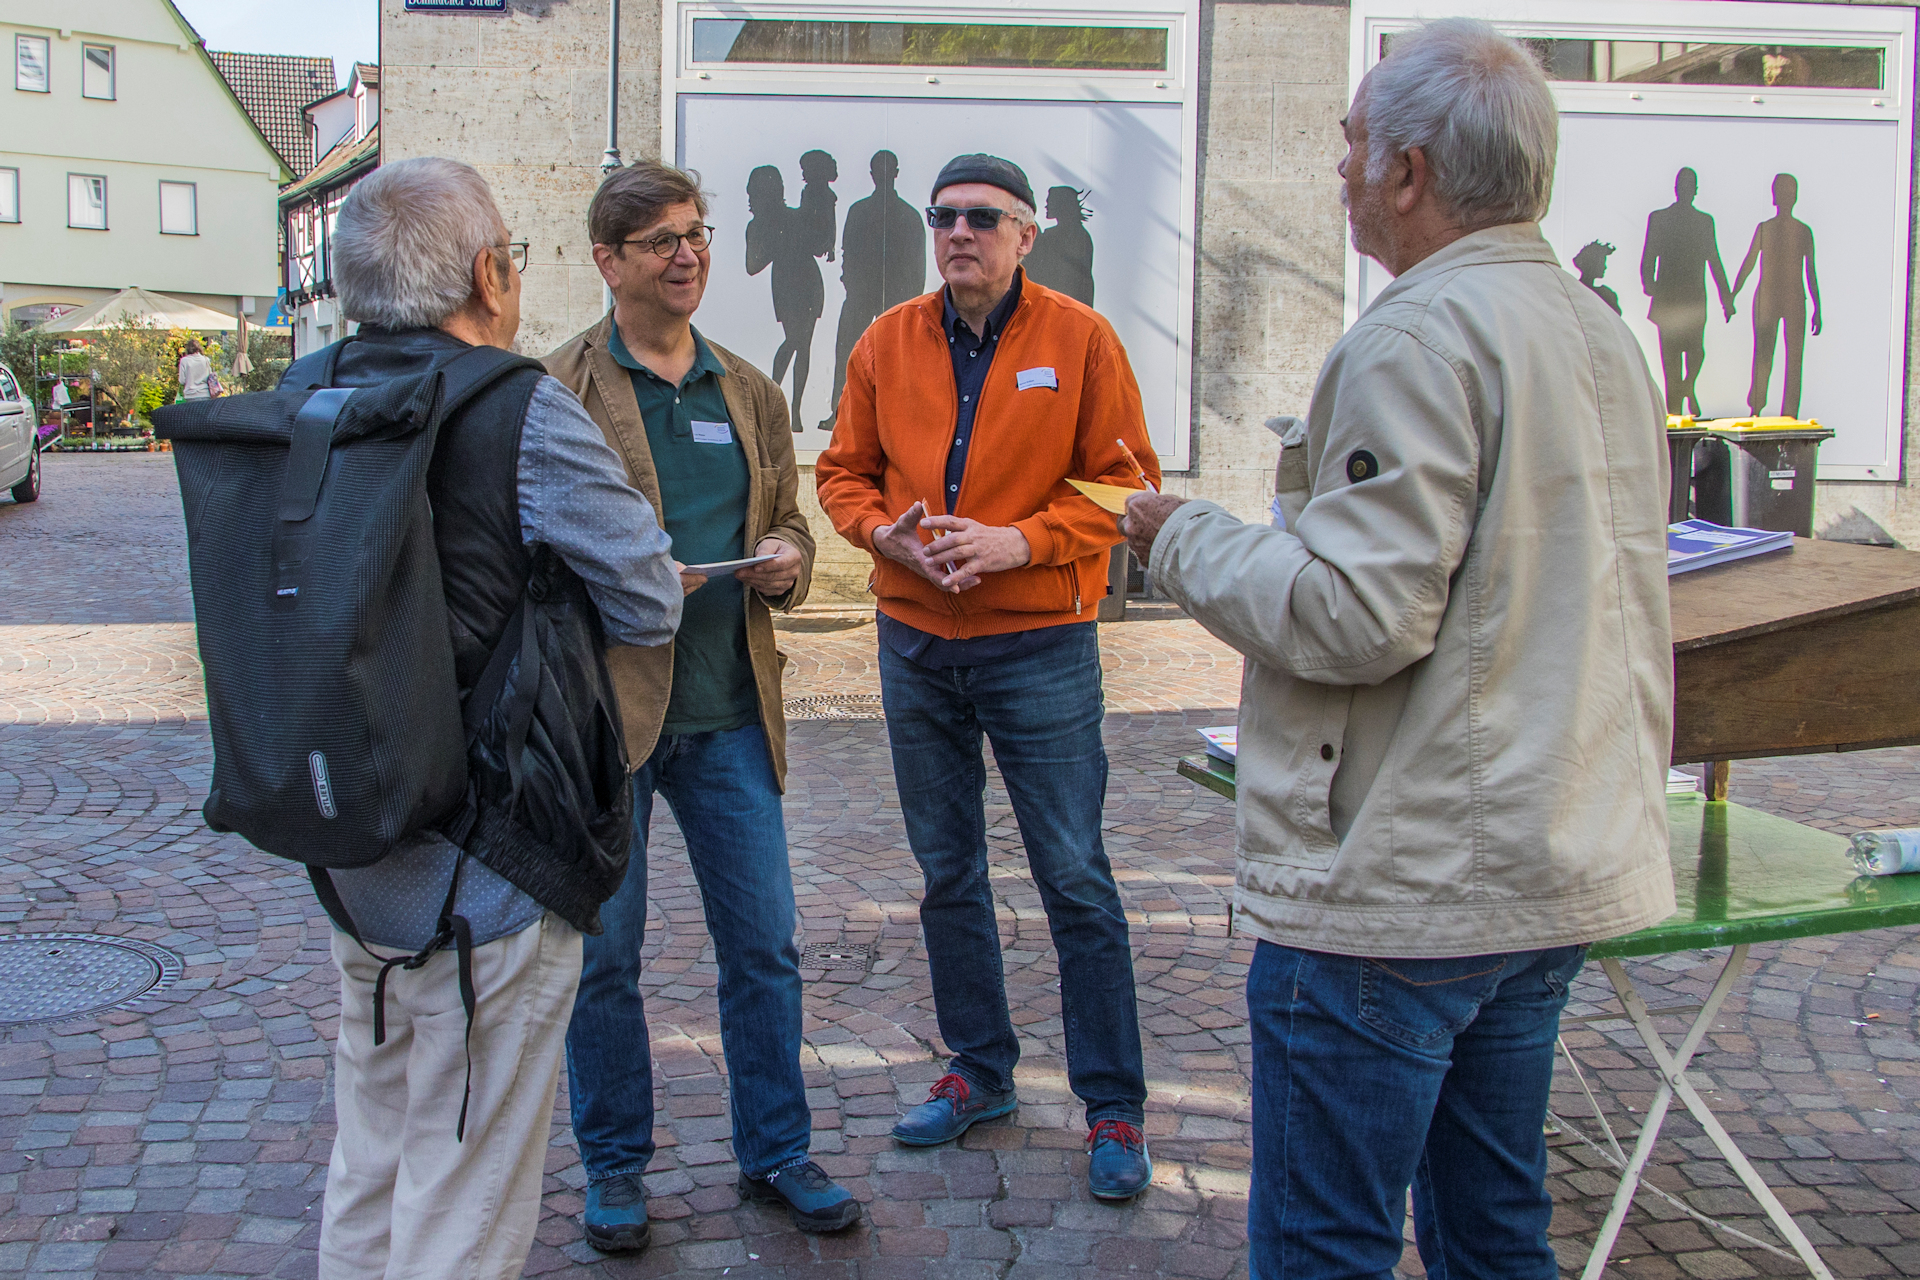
1455,720
704,435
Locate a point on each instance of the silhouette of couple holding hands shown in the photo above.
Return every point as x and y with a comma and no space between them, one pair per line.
1680,250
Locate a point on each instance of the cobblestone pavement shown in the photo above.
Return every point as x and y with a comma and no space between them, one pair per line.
187,1134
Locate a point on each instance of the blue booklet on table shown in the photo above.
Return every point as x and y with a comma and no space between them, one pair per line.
1695,544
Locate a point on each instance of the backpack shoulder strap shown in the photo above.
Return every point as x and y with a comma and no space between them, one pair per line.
472,372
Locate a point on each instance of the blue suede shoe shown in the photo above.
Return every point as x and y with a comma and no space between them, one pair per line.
617,1214
1117,1166
951,1108
814,1201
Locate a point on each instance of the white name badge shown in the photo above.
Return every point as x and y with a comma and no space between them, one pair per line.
712,433
1027,379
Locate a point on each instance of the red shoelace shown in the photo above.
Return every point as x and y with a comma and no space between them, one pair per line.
1120,1131
952,1087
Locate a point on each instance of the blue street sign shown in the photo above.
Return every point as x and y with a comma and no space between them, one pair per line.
456,6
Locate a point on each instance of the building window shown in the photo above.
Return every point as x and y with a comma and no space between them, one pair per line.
87,201
30,64
179,209
96,71
9,195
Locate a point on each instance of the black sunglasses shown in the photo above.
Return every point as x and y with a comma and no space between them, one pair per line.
941,217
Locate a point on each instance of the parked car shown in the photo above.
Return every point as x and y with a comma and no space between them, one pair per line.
19,440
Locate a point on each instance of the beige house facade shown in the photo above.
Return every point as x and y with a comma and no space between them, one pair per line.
125,159
523,97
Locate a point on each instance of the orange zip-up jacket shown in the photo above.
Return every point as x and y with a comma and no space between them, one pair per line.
895,426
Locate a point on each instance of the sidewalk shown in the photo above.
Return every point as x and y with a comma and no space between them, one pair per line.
188,1133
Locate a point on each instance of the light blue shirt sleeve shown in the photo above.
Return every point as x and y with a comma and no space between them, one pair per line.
574,497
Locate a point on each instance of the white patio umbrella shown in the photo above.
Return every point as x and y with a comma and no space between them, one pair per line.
155,309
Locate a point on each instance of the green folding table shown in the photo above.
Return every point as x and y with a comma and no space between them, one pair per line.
1741,877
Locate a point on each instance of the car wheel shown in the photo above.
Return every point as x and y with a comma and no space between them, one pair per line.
28,490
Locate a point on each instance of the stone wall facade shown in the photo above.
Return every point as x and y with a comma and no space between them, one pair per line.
523,97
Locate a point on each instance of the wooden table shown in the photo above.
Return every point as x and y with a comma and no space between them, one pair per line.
1811,649
1740,877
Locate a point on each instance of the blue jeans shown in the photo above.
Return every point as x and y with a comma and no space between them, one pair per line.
1369,1075
723,794
1042,714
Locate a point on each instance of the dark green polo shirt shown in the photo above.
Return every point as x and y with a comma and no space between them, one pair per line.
703,493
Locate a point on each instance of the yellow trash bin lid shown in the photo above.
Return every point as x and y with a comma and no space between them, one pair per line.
1762,426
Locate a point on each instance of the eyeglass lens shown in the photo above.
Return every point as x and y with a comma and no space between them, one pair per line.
981,218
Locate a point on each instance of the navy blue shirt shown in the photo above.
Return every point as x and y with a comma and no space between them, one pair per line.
972,357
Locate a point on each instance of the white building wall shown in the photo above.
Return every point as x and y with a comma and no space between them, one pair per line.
172,119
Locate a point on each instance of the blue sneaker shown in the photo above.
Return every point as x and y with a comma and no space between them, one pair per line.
617,1214
951,1108
814,1201
1117,1167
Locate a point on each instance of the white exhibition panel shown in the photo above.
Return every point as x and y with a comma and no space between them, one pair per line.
1622,144
1125,156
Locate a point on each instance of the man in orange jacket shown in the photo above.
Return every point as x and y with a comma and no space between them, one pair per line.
965,411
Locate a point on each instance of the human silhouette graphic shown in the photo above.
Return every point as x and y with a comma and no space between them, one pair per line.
785,238
1680,248
1591,263
1062,255
883,262
1783,245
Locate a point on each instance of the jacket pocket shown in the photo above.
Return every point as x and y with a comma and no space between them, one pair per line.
1317,750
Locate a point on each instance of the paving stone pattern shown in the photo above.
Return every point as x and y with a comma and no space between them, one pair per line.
187,1134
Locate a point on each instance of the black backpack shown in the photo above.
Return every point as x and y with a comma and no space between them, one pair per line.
337,719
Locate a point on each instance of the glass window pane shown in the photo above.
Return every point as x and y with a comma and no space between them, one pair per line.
30,63
1746,66
178,216
86,202
96,71
929,44
9,195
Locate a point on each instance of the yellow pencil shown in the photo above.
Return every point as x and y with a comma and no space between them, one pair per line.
1137,468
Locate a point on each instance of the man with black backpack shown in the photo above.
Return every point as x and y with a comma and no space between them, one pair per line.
407,566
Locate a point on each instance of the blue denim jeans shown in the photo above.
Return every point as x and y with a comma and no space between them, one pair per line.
1370,1075
1042,713
723,794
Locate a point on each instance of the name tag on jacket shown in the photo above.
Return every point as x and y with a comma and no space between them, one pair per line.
1027,379
713,432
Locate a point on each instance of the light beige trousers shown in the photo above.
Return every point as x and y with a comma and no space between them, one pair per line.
405,1201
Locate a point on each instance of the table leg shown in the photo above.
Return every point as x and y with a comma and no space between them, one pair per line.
1718,779
1673,1082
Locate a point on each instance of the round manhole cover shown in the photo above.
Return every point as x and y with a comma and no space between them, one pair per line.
54,976
836,706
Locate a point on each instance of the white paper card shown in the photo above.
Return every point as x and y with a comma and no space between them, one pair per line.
1043,376
712,432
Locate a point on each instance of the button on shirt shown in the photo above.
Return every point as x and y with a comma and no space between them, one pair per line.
972,357
703,500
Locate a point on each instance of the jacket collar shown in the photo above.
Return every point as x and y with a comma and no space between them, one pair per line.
1509,242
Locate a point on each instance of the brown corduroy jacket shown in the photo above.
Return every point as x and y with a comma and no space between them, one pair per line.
643,677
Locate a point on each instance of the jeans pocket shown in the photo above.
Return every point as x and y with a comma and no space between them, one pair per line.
1423,1004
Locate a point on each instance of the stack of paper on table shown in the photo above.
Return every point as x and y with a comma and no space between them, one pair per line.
1695,544
1223,742
1681,784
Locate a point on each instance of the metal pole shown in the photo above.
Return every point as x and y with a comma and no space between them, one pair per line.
610,158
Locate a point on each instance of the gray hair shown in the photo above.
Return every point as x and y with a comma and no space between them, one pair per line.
1477,104
404,245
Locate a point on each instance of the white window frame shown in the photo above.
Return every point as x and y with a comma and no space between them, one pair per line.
193,208
9,194
1703,22
21,43
101,178
87,72
682,78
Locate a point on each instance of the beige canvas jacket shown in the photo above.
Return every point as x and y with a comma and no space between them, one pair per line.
1456,712
643,678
